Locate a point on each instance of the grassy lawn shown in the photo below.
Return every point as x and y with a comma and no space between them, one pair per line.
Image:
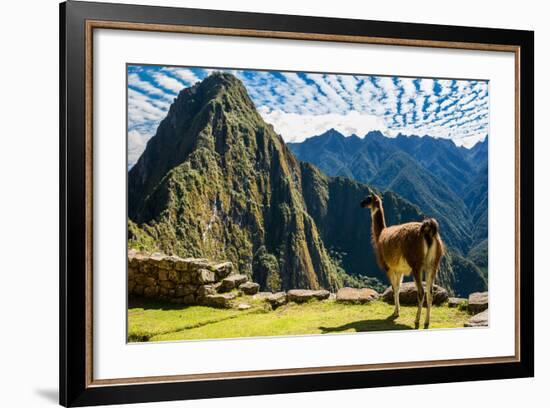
153,321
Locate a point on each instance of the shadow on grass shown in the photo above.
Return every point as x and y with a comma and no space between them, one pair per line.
148,304
366,325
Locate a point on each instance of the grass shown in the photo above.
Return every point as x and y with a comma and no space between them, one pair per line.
153,321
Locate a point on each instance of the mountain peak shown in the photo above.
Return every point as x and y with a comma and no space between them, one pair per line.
331,132
374,134
481,143
201,117
221,79
217,182
215,86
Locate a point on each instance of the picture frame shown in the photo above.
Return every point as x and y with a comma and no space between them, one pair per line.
78,20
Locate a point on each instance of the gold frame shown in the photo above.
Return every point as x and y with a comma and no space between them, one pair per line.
99,24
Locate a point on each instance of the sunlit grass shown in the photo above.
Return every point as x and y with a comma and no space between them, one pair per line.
151,321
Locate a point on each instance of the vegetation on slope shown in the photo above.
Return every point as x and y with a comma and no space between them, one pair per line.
445,181
232,192
479,256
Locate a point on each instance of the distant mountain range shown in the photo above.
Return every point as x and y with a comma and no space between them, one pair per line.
445,181
216,181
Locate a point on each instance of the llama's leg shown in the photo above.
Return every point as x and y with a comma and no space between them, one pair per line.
430,276
396,286
419,295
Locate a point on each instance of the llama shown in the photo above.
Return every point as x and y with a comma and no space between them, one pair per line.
413,247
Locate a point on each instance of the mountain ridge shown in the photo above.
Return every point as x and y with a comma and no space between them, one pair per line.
235,184
216,181
444,180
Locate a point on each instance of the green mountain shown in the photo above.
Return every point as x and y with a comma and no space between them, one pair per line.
338,155
479,155
476,199
479,256
449,164
402,174
344,226
461,275
217,182
443,180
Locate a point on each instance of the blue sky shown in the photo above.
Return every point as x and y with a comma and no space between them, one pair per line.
301,105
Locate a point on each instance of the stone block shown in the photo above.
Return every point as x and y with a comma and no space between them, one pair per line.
222,300
408,294
456,302
249,288
206,276
189,299
304,295
277,299
150,291
232,281
478,302
479,320
167,284
357,296
163,274
222,269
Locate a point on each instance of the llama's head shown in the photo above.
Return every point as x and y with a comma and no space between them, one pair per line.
371,201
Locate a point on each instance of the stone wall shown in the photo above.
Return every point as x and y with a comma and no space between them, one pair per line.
184,280
193,281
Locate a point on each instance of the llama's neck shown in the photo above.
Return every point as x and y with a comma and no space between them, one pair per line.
378,222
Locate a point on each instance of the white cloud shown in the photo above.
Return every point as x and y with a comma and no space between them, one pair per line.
446,103
142,108
408,87
144,116
427,85
136,145
295,127
470,140
446,86
349,82
167,82
135,81
301,105
336,100
183,74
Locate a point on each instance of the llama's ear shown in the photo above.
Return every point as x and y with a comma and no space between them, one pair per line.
370,191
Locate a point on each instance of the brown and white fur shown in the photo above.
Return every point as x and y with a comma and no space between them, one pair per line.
413,247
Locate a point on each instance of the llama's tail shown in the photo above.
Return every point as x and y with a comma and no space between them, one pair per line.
430,230
436,248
